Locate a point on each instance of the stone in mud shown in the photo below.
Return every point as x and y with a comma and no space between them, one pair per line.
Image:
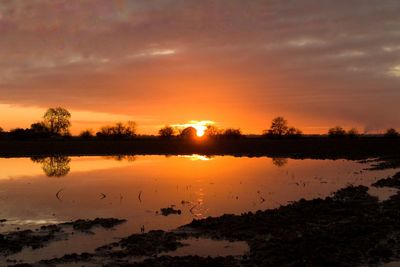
384,163
194,261
68,258
149,244
393,181
14,242
170,210
87,225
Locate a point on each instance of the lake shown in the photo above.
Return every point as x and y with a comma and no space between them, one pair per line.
42,191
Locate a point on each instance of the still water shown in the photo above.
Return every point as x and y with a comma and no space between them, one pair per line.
37,191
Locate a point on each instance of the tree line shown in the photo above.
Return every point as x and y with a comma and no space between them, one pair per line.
56,123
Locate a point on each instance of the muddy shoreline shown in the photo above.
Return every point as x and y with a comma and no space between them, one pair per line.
348,228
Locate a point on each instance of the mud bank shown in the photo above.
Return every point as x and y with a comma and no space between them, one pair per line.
349,228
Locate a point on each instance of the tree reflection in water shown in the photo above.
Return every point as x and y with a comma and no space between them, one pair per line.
279,162
54,166
129,158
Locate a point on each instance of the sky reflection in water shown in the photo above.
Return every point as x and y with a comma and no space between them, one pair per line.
90,187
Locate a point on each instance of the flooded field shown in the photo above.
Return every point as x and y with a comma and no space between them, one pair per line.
144,189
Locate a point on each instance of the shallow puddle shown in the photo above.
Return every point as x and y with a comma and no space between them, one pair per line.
43,191
205,247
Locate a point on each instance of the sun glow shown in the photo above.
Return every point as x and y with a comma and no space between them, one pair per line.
200,126
200,130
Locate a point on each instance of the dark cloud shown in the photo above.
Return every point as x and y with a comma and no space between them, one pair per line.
332,61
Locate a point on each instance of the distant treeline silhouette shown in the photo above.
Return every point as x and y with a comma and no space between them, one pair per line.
56,123
211,131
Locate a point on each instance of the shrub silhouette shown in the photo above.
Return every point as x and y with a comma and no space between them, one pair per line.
166,132
212,131
231,133
20,134
39,130
118,131
293,132
353,133
86,134
336,132
391,133
57,121
188,133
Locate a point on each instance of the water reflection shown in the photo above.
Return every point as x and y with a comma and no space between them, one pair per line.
279,162
129,158
55,166
199,187
197,157
136,190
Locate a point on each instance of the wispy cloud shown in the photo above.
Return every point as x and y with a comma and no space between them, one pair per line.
240,62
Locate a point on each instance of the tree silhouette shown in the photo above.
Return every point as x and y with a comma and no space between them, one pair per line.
1,130
118,131
232,133
212,131
279,128
336,132
56,166
353,133
391,133
279,162
293,132
129,158
39,129
57,120
188,133
166,132
86,134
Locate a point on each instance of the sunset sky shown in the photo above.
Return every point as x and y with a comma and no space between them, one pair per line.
238,63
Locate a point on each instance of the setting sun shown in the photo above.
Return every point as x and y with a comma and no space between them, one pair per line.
200,126
200,129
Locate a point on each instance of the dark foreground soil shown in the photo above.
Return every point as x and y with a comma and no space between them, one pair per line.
307,147
350,228
14,242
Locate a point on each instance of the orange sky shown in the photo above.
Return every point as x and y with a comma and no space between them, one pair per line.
238,63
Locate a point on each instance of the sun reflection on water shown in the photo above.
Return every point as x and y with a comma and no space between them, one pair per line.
195,157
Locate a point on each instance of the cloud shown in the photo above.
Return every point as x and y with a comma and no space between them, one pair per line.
240,62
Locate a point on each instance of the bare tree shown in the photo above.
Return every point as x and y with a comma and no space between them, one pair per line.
118,131
166,132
